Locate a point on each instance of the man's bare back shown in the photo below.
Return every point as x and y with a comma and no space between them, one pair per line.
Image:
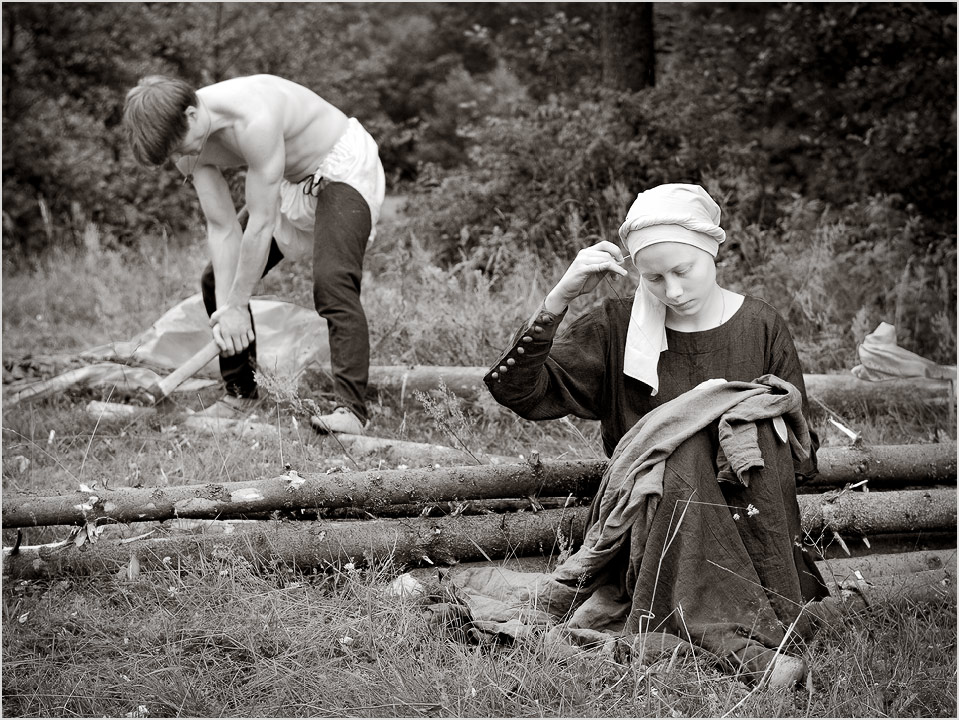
310,125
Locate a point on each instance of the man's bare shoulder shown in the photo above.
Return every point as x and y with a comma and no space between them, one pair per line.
260,111
252,90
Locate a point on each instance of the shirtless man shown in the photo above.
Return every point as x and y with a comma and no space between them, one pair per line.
314,187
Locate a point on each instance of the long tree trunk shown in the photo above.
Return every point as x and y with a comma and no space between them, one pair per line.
834,390
866,514
378,489
448,540
885,465
425,541
627,45
368,489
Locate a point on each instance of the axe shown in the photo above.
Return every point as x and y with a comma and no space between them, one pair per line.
161,390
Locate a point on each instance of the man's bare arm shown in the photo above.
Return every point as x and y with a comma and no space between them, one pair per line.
261,143
264,151
222,226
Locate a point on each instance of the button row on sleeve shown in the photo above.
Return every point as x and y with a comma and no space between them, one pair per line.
537,329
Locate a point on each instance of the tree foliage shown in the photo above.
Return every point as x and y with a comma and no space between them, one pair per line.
814,125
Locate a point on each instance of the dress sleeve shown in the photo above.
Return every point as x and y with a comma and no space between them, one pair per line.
784,363
542,379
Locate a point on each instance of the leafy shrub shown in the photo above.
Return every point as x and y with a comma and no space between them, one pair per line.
835,273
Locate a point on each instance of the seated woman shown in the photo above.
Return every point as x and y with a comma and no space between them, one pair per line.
694,548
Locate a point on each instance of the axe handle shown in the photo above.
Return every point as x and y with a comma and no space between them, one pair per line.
188,369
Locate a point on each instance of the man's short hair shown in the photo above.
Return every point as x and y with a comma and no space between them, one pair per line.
154,116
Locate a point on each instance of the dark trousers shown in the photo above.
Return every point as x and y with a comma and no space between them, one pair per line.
341,232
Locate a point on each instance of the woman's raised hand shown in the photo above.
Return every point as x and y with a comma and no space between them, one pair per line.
584,273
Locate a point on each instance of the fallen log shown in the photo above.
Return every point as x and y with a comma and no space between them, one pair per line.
421,541
833,390
880,465
884,465
359,446
372,489
412,510
459,507
410,542
380,488
867,514
928,586
863,546
122,378
869,567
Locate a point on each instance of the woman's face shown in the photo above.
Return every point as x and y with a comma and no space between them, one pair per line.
681,276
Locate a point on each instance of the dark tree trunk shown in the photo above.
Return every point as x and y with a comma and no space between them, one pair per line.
627,45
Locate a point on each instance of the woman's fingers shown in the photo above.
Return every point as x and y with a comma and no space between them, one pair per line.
615,267
587,271
610,248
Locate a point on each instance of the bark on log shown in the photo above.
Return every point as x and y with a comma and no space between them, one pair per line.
372,489
324,543
378,489
833,390
413,510
879,512
890,543
884,465
881,465
360,446
412,542
927,586
848,390
882,565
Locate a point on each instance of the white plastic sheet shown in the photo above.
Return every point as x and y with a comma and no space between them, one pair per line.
289,338
881,358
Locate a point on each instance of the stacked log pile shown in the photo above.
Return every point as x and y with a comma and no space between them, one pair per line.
885,516
859,527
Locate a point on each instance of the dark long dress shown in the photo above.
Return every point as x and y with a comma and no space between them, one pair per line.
730,584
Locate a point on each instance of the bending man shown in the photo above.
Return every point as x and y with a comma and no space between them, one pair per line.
314,187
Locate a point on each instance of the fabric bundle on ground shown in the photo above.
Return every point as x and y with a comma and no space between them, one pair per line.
694,536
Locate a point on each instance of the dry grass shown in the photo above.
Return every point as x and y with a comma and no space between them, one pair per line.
221,638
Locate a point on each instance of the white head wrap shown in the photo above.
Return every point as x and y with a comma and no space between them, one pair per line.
667,213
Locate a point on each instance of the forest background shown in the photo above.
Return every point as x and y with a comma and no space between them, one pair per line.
520,132
513,134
